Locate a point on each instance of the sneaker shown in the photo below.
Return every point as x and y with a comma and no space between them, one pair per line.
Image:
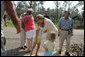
59,52
25,46
67,53
22,48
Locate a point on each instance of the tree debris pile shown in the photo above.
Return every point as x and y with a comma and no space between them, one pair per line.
77,49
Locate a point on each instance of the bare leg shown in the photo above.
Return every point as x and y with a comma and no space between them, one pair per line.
24,38
28,44
31,44
38,47
34,44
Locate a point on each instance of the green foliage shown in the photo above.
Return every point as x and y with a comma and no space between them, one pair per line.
21,8
55,14
9,23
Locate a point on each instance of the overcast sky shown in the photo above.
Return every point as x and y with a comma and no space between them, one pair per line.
51,5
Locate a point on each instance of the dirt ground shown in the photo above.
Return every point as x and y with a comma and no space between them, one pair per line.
13,42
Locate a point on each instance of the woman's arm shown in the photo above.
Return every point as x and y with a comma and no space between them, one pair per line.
24,21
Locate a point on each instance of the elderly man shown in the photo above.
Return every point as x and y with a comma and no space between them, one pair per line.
65,31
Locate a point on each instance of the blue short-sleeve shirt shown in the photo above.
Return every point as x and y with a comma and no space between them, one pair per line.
65,23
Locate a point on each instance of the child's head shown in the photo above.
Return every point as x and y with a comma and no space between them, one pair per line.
40,19
52,36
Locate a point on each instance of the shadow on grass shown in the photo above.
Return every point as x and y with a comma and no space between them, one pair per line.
17,52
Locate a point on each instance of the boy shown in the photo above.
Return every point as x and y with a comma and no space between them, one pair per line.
49,44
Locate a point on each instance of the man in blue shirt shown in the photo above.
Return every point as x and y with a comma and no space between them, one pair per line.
65,31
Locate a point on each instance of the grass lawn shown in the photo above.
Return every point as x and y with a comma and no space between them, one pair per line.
10,24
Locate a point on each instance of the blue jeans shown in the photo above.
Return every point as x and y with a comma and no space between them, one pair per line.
49,53
3,53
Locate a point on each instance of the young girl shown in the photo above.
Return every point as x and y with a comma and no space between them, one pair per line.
29,28
37,40
49,44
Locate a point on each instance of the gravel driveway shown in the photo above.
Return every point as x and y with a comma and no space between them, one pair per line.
12,42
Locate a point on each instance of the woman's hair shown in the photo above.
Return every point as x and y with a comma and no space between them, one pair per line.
30,11
40,16
52,36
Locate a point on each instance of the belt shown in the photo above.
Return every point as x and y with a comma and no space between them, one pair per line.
65,29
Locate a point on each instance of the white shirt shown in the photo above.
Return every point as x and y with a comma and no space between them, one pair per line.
49,45
49,26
